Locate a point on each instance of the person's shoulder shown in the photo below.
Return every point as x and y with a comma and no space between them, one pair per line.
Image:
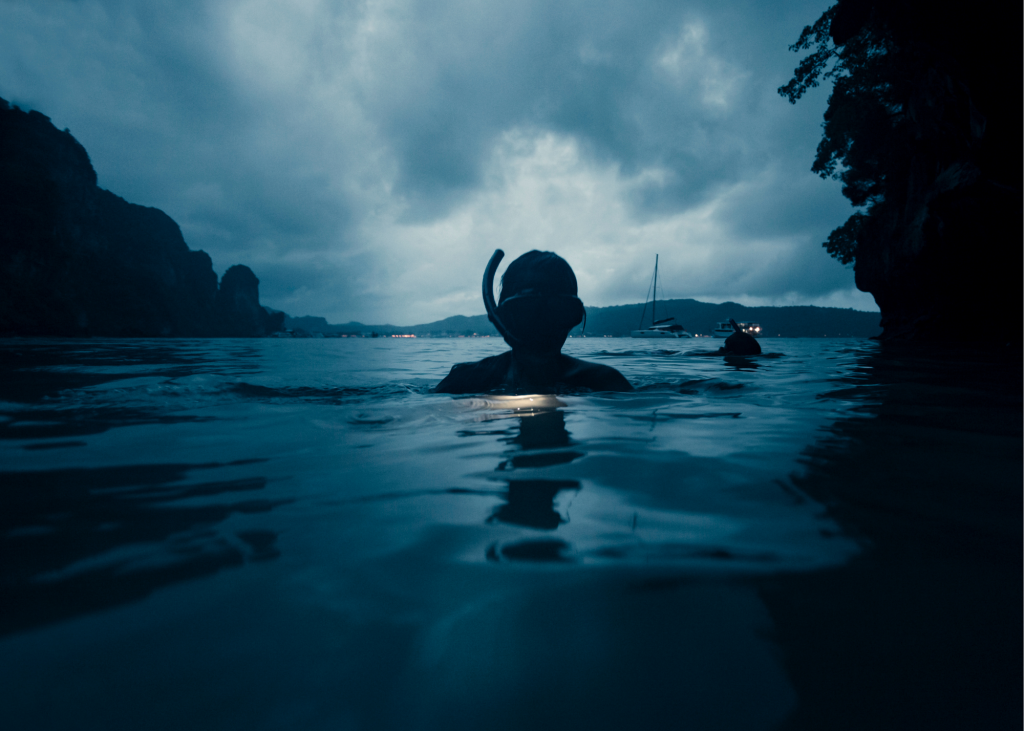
476,377
596,376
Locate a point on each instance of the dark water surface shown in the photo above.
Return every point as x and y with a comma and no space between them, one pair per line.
275,534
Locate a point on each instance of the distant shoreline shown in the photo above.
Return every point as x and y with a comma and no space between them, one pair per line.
699,318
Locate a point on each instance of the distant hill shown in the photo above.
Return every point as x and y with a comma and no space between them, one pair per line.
700,318
448,327
697,317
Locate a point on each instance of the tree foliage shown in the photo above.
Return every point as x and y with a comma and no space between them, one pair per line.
922,129
866,140
842,243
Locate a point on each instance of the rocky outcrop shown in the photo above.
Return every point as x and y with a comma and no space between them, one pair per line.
238,304
943,267
940,254
937,256
77,260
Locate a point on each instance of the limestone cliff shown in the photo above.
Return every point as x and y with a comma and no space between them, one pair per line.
77,260
923,128
941,260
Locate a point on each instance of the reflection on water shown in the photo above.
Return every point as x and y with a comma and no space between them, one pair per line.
531,503
927,622
299,534
56,424
78,540
742,362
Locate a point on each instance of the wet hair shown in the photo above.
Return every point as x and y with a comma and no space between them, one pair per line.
543,271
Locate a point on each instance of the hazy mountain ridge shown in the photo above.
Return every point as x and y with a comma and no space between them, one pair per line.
619,320
78,260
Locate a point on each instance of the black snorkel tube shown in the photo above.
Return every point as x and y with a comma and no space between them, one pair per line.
492,308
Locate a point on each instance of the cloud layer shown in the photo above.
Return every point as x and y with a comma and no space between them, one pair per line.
366,158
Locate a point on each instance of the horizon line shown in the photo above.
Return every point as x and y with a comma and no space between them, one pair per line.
596,307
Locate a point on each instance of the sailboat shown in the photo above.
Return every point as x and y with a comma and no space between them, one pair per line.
665,328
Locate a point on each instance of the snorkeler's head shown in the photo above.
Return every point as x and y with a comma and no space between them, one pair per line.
538,301
542,271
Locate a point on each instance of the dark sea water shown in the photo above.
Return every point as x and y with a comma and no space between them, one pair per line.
298,534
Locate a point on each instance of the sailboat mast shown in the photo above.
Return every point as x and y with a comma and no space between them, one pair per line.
654,304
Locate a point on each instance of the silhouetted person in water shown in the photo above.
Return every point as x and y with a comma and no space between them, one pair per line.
740,343
537,309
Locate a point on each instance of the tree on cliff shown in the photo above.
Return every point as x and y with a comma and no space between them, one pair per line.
921,129
866,133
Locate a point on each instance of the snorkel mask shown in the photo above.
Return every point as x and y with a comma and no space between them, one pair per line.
533,318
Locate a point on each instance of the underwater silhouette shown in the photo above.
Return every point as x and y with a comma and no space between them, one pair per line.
538,307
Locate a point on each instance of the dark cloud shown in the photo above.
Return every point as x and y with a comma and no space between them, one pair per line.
365,158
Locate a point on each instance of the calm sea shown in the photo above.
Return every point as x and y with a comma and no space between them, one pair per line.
298,534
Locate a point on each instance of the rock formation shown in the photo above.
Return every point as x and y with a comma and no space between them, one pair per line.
924,129
77,260
942,263
238,305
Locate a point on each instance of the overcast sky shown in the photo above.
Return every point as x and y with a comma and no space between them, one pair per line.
366,158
